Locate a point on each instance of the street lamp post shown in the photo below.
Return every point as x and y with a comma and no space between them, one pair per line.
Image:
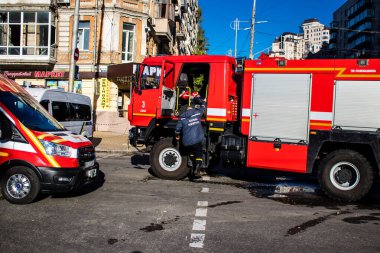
74,46
252,30
253,22
236,27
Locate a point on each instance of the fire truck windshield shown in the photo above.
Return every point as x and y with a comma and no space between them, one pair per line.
30,113
150,77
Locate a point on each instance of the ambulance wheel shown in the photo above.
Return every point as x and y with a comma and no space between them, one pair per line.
345,175
20,185
167,162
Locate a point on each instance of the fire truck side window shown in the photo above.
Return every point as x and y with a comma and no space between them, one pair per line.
150,77
197,78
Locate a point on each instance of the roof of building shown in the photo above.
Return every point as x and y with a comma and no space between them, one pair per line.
310,20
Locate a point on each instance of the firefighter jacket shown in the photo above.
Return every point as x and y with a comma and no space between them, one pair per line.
190,125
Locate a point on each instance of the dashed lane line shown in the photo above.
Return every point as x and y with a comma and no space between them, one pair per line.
205,189
196,240
201,212
199,224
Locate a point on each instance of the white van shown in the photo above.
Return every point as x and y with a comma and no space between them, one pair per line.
72,110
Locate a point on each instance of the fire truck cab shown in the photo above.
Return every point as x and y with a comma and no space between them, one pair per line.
304,116
37,154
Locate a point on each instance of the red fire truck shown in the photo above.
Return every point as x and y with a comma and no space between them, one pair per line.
305,116
37,154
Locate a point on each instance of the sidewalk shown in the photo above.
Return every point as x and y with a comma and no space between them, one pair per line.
112,142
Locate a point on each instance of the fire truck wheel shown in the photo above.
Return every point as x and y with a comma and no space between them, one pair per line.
20,185
167,162
345,175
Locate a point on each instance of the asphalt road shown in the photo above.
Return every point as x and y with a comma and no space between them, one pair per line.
246,211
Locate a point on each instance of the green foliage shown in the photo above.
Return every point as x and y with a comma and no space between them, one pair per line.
202,41
198,82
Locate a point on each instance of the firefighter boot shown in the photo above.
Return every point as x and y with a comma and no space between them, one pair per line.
197,169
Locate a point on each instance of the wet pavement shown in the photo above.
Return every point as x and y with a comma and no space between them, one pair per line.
235,210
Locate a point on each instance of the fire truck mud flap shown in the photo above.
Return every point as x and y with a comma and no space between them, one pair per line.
167,161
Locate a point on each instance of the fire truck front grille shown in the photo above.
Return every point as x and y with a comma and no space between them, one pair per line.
86,154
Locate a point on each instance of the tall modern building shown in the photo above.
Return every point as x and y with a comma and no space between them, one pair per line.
355,30
113,35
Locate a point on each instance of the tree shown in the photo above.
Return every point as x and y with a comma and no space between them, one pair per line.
202,41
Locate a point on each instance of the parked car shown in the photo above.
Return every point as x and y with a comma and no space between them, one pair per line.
72,110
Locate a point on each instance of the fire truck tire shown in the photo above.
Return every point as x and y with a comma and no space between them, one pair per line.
167,162
345,175
20,185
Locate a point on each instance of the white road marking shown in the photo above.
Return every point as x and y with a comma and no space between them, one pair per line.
201,212
205,189
199,225
203,203
196,240
206,178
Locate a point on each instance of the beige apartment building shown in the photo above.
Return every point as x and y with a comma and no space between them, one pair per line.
298,46
315,35
288,45
36,39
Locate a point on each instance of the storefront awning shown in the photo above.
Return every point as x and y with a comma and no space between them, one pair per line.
122,74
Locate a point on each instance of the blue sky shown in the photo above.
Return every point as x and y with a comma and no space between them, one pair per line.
282,16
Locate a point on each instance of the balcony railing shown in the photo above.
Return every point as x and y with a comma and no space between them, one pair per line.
31,55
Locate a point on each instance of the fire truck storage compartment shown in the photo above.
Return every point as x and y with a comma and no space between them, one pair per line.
357,105
280,107
279,125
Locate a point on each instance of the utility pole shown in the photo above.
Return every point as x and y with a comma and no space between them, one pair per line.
236,27
74,45
252,30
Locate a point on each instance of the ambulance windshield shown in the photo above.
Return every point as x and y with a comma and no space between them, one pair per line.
29,112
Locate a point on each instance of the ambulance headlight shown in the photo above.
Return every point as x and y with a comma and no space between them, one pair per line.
55,149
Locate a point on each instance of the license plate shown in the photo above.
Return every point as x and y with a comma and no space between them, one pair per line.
89,164
91,173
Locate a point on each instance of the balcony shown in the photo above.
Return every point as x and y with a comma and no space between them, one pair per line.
162,27
43,56
359,7
179,31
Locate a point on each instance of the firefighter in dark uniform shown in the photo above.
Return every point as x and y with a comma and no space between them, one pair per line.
190,125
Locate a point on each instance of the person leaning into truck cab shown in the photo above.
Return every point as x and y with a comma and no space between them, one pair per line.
190,125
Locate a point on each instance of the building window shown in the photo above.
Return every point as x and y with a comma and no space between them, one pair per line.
84,36
128,48
26,33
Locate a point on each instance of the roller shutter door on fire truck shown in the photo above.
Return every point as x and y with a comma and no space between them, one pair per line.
357,105
280,107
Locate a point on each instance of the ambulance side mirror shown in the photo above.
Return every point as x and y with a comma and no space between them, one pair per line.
5,130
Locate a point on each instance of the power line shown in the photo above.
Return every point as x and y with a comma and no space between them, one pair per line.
245,42
353,30
221,44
